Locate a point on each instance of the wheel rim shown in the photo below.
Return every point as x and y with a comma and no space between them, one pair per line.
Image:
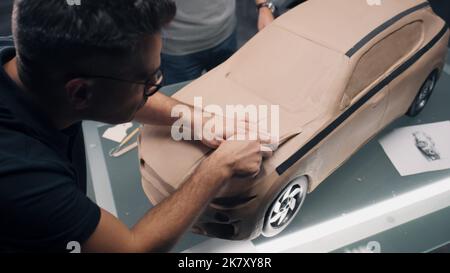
425,93
285,207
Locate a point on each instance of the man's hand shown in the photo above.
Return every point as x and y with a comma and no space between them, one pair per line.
218,129
241,157
228,128
265,18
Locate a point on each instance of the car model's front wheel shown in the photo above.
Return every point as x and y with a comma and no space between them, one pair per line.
285,207
423,96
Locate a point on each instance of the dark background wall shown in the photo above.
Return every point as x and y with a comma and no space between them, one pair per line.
442,8
5,17
246,16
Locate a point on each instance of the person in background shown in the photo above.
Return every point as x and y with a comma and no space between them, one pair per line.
202,36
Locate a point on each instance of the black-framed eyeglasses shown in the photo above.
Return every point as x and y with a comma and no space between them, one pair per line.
151,86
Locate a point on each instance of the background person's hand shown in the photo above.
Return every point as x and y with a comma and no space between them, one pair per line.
265,18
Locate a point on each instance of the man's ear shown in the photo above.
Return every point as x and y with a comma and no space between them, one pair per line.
79,93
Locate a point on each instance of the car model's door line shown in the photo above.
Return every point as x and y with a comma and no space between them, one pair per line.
353,108
377,99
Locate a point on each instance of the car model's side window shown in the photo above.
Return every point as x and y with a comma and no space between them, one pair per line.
382,56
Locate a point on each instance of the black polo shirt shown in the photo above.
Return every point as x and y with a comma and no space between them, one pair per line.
43,202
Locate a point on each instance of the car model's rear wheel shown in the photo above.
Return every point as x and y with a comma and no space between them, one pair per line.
423,96
285,207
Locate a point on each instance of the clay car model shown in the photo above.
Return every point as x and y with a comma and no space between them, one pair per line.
340,72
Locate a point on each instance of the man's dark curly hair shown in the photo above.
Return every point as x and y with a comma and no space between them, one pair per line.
57,32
